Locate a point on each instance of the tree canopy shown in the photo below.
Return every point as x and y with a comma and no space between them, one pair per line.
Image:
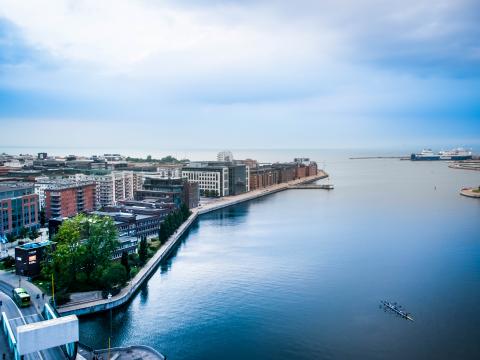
84,247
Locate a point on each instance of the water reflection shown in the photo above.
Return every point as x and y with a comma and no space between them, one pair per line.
299,274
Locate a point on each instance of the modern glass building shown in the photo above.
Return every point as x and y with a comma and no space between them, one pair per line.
19,208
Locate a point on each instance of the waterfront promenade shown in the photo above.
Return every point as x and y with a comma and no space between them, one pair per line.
89,306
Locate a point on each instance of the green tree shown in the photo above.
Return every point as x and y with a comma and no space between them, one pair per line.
125,263
185,211
100,234
11,237
149,158
85,245
113,275
43,217
143,251
8,262
23,232
33,234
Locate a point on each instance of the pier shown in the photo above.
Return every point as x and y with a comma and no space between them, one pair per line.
312,186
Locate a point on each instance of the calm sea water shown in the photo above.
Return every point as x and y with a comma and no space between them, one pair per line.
300,274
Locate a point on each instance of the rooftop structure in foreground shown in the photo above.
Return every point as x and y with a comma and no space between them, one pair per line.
29,257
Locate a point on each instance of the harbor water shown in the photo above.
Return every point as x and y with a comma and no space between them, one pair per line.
300,274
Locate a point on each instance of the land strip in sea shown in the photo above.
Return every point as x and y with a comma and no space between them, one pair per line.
89,306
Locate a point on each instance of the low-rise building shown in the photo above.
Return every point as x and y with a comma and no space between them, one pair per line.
136,218
127,244
29,257
19,207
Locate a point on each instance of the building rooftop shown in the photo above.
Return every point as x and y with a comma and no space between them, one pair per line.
6,186
68,184
36,245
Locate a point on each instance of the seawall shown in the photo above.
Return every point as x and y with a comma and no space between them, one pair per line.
97,305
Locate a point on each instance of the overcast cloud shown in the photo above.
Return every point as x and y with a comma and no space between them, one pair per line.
316,73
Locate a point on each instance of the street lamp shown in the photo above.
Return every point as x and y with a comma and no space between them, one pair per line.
109,297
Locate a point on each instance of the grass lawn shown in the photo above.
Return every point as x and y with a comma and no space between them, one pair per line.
43,285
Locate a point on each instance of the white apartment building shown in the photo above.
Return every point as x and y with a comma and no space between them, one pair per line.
41,184
225,156
112,187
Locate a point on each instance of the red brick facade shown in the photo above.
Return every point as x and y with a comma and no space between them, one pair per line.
69,201
263,176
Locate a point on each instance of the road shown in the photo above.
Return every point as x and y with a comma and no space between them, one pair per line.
20,317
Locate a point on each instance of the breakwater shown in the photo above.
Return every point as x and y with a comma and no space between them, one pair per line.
97,305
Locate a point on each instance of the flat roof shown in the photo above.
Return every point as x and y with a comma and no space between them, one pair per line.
5,186
30,246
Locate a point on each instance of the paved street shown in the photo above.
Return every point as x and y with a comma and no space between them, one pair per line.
20,317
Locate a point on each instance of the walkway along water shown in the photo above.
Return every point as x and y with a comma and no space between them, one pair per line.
89,307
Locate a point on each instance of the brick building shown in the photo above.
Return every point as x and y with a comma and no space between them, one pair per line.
263,176
68,198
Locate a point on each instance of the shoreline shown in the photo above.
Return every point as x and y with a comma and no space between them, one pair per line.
86,307
470,193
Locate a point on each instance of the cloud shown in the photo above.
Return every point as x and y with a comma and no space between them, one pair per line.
353,65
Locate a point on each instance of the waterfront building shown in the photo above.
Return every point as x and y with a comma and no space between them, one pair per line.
267,175
218,178
263,176
68,198
286,171
18,208
170,190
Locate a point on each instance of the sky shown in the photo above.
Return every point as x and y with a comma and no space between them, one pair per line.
240,74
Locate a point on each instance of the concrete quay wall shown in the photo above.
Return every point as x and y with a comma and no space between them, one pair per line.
89,307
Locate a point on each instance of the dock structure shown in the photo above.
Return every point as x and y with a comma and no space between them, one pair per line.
312,186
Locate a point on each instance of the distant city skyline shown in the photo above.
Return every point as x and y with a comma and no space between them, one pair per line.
240,74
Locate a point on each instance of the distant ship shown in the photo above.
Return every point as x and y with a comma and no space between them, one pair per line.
425,155
455,154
